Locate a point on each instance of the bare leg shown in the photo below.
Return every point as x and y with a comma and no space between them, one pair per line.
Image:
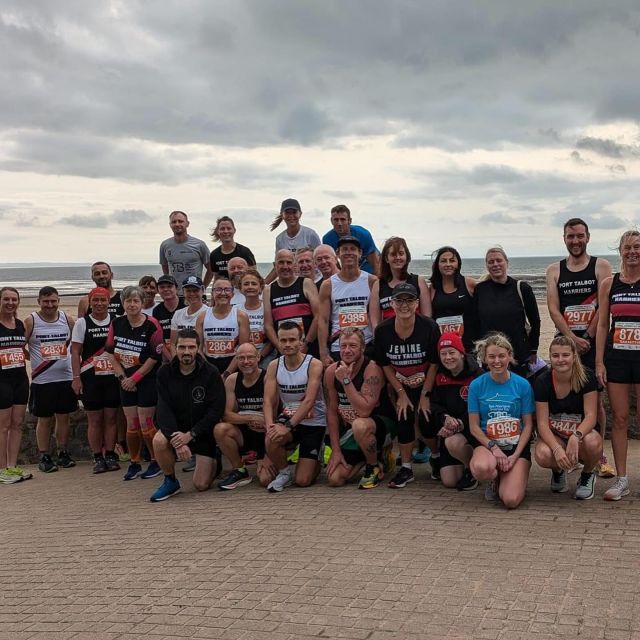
619,400
165,455
229,439
43,434
5,426
513,484
15,434
204,472
63,428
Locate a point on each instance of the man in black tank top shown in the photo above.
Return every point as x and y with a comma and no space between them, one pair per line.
102,275
242,429
357,434
572,299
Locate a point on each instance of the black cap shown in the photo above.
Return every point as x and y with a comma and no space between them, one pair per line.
167,279
349,240
290,203
404,289
192,281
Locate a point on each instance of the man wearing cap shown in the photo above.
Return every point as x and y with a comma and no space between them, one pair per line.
290,297
325,262
456,371
344,300
406,349
341,221
183,255
163,312
295,236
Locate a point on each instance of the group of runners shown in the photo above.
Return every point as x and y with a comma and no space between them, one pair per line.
332,358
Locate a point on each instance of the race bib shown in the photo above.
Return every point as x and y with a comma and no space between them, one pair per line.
347,413
413,381
505,431
578,316
102,366
219,348
53,351
564,424
257,338
11,358
626,336
451,323
290,408
355,316
127,358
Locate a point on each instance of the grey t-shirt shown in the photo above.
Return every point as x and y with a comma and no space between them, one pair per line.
306,237
184,259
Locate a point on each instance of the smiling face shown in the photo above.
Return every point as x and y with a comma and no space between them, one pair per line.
325,261
167,290
576,240
630,250
497,359
150,290
304,263
497,265
247,358
351,348
397,258
284,264
226,231
250,286
451,359
179,223
192,295
448,264
9,302
349,255
99,305
222,292
101,274
405,306
236,267
291,218
561,358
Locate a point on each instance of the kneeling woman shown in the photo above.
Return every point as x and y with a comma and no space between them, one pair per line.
449,410
501,410
567,408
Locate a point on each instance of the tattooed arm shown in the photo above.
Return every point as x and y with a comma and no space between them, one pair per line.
366,399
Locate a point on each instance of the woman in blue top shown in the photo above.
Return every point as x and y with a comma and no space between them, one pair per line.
501,408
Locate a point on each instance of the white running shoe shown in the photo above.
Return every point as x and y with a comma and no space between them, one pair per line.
617,490
282,480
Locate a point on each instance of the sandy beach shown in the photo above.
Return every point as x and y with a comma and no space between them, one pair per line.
69,304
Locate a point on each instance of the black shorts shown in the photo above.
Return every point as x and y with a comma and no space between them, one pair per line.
309,439
252,441
589,358
622,371
204,446
100,392
52,397
446,459
525,455
221,364
355,456
14,389
406,428
145,394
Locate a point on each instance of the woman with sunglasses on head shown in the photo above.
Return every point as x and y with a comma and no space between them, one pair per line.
618,350
394,270
222,328
501,408
567,409
452,296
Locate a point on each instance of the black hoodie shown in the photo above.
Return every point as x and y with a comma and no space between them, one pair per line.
194,402
450,392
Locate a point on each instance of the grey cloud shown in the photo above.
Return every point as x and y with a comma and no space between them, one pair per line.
86,222
609,148
617,168
607,221
578,159
341,195
131,217
127,217
500,217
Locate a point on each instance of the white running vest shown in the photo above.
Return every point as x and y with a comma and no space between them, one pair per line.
49,347
256,326
349,308
293,387
220,335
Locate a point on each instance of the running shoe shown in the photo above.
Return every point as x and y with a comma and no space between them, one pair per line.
402,478
134,471
605,469
586,486
558,481
491,492
6,477
65,460
19,471
371,477
237,478
100,466
467,482
123,455
435,467
326,454
191,465
421,455
153,471
619,489
112,462
251,457
281,481
46,464
168,488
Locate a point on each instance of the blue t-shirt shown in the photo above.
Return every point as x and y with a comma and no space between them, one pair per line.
501,407
368,245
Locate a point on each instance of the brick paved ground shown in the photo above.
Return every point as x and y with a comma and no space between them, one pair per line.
89,557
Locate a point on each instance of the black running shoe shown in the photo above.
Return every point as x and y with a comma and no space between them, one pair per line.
402,478
467,482
46,464
100,465
235,480
112,461
64,459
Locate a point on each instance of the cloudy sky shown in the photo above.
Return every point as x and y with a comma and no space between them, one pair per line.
456,122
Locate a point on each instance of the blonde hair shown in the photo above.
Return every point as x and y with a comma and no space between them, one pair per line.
352,331
632,233
578,374
496,339
495,249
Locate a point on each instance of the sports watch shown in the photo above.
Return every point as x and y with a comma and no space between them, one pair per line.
491,444
346,381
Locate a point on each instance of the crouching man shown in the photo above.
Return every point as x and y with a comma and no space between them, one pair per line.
191,400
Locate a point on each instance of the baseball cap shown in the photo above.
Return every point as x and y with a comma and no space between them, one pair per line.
192,281
404,289
167,279
349,240
451,339
290,203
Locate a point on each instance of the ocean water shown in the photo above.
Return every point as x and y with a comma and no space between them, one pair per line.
75,280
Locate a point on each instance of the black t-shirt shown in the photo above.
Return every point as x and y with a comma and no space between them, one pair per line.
409,358
164,316
219,260
565,414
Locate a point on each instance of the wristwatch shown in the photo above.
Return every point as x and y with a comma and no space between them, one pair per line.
121,376
491,444
427,394
586,336
346,381
578,434
193,434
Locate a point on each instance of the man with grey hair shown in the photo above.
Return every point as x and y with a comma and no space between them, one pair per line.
326,262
